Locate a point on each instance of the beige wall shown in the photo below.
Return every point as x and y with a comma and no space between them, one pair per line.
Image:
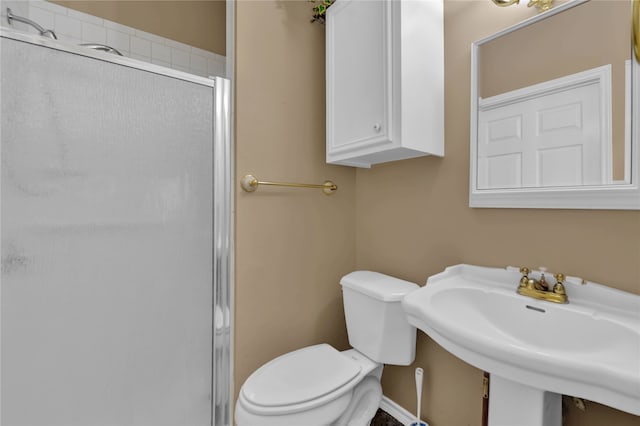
601,37
292,245
409,219
414,220
199,23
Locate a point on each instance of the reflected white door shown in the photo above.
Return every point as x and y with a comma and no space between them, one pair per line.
106,243
561,138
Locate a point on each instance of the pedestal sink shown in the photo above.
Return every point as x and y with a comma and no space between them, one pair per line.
535,350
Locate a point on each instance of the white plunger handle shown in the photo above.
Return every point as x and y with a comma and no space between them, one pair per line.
419,392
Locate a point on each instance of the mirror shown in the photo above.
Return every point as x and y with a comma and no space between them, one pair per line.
554,117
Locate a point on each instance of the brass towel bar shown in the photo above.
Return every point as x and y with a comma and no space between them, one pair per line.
249,183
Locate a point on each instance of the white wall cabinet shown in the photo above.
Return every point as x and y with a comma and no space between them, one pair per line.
385,81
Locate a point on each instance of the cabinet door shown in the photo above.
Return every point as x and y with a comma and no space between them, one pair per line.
358,76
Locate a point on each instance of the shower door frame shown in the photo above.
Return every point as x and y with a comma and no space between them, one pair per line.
223,224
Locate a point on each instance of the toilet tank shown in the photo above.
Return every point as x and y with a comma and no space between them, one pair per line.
376,324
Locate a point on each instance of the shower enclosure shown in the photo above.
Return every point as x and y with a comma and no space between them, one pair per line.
116,239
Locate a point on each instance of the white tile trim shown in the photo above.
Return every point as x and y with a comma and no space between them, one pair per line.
75,27
180,58
78,50
160,52
86,18
202,52
141,58
119,27
118,40
42,16
67,26
92,33
177,45
18,7
140,46
151,37
199,63
51,7
400,413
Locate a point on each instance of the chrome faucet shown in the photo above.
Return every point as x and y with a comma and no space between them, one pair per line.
41,30
102,47
539,289
52,34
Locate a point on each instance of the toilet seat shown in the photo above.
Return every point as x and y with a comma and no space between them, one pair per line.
328,354
300,376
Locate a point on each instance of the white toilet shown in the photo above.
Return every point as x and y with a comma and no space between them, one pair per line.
319,385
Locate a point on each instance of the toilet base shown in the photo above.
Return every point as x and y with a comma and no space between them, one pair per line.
364,403
324,415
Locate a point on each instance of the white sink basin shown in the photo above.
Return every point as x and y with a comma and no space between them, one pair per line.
588,348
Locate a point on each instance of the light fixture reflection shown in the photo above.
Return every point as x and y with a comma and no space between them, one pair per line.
541,5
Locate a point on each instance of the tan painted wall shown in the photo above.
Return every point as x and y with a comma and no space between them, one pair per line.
199,23
292,245
413,220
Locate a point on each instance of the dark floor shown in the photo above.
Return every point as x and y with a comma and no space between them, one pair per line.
382,418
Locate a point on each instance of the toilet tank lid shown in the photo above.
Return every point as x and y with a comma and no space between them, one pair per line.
379,286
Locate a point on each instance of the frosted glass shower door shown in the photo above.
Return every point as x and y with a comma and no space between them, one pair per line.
106,291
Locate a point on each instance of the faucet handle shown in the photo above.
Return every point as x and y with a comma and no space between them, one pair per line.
559,287
525,276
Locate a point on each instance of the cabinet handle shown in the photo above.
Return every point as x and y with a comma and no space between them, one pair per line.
377,127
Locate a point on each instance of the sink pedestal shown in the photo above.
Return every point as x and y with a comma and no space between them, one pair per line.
512,403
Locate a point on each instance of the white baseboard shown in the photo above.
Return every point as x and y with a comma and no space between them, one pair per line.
400,413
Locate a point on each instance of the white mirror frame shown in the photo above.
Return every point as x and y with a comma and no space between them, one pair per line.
618,196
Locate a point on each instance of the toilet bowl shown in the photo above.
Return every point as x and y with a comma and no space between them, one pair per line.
321,386
315,385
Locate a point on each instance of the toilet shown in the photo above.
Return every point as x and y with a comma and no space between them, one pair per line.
319,385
